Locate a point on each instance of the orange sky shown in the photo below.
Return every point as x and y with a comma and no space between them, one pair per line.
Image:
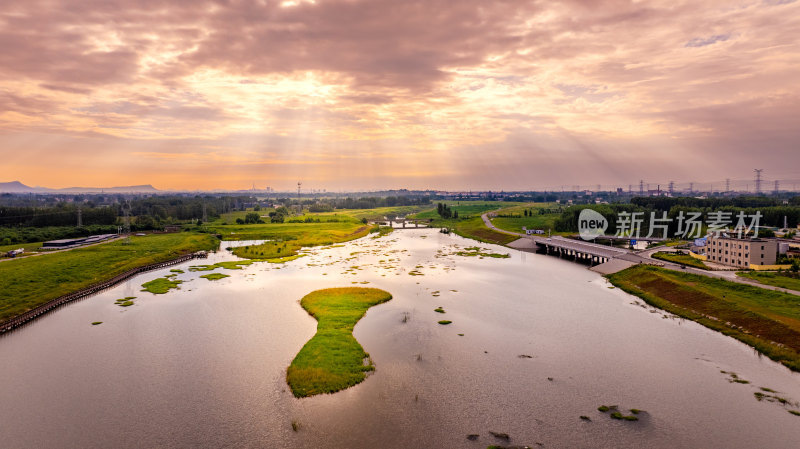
343,94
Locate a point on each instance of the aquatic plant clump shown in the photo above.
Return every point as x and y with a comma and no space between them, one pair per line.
125,302
160,286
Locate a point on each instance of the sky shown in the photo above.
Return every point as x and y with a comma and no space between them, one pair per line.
380,94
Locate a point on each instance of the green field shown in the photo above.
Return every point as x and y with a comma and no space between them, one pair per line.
289,238
683,259
32,281
465,209
379,212
765,319
470,224
545,222
474,228
776,280
333,360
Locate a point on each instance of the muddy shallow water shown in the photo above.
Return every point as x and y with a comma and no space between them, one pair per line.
205,365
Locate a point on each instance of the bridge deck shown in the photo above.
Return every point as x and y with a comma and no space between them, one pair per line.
581,247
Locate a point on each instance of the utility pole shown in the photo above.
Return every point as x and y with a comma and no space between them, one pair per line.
758,179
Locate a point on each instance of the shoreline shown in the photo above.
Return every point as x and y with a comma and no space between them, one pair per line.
726,316
32,314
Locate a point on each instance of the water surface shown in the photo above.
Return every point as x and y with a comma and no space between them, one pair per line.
205,365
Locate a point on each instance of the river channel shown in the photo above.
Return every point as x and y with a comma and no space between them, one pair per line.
545,341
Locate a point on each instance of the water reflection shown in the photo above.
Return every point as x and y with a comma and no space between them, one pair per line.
205,365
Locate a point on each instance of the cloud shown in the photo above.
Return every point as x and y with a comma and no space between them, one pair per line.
701,42
355,83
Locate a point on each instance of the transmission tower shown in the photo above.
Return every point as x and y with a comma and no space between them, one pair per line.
691,187
80,218
758,179
727,185
777,187
671,188
298,188
126,222
641,187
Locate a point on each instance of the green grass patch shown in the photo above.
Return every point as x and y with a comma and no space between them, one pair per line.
767,320
160,286
176,270
95,323
229,265
333,360
125,302
381,231
616,414
215,276
476,251
439,310
782,280
466,208
683,259
473,228
444,322
287,239
33,281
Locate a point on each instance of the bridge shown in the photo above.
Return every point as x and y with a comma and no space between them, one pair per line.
578,250
400,223
607,258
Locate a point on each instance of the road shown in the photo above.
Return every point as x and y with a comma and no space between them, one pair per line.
647,255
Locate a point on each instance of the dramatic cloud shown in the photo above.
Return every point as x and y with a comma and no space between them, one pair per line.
385,93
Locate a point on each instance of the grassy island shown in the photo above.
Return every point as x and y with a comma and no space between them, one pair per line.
333,360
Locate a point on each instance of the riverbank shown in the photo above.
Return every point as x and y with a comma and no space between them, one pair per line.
767,320
31,282
681,259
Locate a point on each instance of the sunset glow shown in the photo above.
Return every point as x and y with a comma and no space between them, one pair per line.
351,94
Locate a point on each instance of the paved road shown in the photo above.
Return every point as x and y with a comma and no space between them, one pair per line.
647,255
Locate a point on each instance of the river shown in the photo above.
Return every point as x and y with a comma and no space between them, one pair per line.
545,341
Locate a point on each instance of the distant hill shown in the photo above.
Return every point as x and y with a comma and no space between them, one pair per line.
15,187
146,188
18,187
